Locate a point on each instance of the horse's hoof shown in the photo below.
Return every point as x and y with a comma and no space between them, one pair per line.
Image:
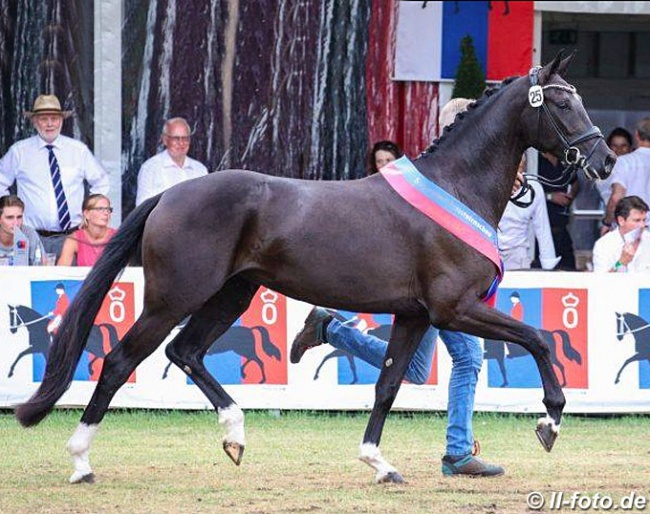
83,479
235,451
391,478
546,435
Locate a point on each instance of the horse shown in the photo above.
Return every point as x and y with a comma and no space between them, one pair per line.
39,338
242,341
628,323
497,350
301,239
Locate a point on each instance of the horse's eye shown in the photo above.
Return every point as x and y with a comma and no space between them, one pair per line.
564,105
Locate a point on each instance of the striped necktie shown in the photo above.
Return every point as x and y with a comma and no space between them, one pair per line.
61,202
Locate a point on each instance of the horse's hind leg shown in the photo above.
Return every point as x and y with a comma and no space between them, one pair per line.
486,322
189,347
404,340
139,342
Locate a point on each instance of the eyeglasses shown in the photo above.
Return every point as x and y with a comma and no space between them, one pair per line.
102,209
179,139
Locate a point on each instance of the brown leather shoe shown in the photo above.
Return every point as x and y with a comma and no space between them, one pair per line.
312,334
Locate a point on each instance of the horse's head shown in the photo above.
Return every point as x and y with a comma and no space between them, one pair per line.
622,327
15,320
555,121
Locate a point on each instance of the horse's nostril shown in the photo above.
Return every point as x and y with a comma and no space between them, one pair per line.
609,164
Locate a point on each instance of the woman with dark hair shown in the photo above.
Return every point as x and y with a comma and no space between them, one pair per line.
620,141
381,154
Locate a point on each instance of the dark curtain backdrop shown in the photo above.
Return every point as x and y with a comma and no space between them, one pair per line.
46,46
297,88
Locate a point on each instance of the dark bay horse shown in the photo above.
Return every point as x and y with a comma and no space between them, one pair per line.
301,238
628,323
21,316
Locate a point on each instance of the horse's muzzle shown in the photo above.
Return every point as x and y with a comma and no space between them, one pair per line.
608,166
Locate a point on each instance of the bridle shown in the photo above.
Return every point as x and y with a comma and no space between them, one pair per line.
572,155
621,323
574,159
17,321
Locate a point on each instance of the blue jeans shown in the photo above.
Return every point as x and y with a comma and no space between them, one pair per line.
467,358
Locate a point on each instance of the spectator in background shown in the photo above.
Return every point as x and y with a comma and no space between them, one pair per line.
381,154
12,211
171,166
50,171
627,247
515,228
558,206
620,142
631,174
86,244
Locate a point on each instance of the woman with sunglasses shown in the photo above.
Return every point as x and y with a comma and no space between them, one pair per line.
84,246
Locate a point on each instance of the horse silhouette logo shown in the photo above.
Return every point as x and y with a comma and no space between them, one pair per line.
380,331
501,350
21,316
639,328
242,341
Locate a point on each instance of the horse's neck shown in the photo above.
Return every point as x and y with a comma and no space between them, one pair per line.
635,321
28,314
477,160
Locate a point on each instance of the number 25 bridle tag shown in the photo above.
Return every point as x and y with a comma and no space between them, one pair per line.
535,96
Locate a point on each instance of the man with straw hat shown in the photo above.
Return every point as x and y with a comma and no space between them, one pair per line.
50,170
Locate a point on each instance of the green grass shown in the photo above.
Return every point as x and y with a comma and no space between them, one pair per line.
172,462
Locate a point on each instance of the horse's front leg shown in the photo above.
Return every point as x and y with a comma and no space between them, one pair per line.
486,322
404,339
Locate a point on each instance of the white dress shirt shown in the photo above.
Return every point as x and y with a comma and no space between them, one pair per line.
515,238
632,171
27,163
608,249
160,172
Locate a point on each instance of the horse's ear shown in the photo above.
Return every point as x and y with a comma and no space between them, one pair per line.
550,69
564,63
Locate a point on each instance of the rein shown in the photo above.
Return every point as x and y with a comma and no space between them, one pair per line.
23,323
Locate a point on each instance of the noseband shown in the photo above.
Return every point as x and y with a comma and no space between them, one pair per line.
572,155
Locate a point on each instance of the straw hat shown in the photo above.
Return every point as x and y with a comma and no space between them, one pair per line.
47,104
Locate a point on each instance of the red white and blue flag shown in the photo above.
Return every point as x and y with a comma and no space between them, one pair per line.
429,36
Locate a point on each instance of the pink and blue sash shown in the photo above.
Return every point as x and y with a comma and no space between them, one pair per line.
447,211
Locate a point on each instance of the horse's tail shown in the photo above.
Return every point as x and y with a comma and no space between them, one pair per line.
74,330
267,345
569,351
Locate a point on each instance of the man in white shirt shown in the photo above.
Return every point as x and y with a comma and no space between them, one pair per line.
627,247
171,166
50,170
514,231
631,174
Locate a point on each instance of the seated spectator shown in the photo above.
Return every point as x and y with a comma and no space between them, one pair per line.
515,226
171,166
626,248
381,154
12,209
84,246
